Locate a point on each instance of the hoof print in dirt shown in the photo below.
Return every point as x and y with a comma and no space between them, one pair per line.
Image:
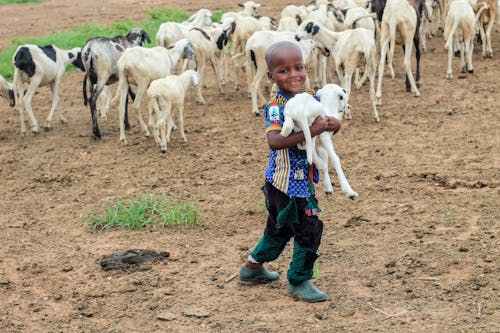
130,259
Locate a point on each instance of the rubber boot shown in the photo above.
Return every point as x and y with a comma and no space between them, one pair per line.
307,292
261,275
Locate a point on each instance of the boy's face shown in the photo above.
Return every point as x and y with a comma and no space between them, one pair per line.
287,71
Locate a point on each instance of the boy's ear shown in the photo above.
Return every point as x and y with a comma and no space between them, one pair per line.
270,76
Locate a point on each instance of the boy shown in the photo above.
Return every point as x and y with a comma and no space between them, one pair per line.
288,190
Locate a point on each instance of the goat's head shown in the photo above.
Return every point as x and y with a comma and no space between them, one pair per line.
307,29
335,100
7,91
250,7
137,37
202,18
75,57
188,51
337,13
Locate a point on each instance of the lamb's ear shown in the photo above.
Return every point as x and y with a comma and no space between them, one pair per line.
145,36
319,92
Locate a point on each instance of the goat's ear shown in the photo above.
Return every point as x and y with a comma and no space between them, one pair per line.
240,5
145,36
308,28
233,26
78,62
298,19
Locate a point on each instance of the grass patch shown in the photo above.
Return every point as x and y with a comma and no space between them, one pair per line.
5,2
146,211
77,37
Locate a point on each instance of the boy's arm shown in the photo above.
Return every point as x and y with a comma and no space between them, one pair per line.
276,141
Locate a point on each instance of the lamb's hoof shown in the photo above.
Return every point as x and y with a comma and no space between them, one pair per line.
123,142
377,119
449,76
46,128
352,195
490,54
63,121
417,93
34,130
256,113
163,150
470,71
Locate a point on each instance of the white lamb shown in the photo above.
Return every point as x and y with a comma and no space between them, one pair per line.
140,66
352,49
163,94
300,112
40,66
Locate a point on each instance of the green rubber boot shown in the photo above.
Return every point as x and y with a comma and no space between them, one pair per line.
261,275
307,292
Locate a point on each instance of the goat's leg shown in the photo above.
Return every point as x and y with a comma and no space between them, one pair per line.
469,48
201,73
320,158
180,120
55,100
164,115
154,109
488,37
347,86
34,83
483,39
407,66
141,89
392,46
218,73
449,71
384,44
255,86
326,142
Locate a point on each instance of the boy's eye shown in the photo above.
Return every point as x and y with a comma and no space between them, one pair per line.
299,68
284,70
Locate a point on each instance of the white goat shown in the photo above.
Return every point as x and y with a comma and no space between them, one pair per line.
163,94
171,32
40,66
140,66
300,112
460,23
486,16
249,8
351,49
7,91
207,45
399,16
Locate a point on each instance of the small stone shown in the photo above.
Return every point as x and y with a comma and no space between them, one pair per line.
196,311
166,316
67,269
463,249
347,312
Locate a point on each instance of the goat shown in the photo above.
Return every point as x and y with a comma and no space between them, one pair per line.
40,66
162,95
486,17
140,66
100,56
249,8
460,19
7,91
171,32
351,49
300,112
397,16
207,45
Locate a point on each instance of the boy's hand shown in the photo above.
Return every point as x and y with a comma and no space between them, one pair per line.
322,124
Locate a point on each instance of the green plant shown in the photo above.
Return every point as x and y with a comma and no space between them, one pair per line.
4,2
145,211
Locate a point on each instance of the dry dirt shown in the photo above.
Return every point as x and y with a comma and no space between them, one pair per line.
417,252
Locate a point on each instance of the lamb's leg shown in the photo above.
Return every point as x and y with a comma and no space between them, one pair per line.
180,106
34,83
320,158
326,142
55,101
218,73
161,124
488,37
469,48
384,42
255,86
201,73
407,66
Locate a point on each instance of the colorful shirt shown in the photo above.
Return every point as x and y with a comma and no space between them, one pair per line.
288,169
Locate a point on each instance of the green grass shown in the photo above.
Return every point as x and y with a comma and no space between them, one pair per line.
77,37
146,211
5,2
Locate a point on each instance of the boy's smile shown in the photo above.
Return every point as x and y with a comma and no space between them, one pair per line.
288,70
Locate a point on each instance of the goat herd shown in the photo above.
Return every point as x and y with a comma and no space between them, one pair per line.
359,35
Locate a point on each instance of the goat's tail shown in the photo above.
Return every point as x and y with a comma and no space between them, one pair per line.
352,25
122,84
484,6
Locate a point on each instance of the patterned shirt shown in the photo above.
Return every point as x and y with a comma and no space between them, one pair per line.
288,169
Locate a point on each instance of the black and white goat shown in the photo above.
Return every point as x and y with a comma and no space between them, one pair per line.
100,56
40,66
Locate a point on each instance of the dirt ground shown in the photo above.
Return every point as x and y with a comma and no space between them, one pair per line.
416,252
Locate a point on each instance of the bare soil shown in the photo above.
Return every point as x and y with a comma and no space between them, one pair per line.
416,252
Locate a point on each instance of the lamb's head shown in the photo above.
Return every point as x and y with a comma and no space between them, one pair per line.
74,56
334,99
7,91
250,7
137,37
307,29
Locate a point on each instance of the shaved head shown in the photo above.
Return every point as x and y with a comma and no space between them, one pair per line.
278,50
